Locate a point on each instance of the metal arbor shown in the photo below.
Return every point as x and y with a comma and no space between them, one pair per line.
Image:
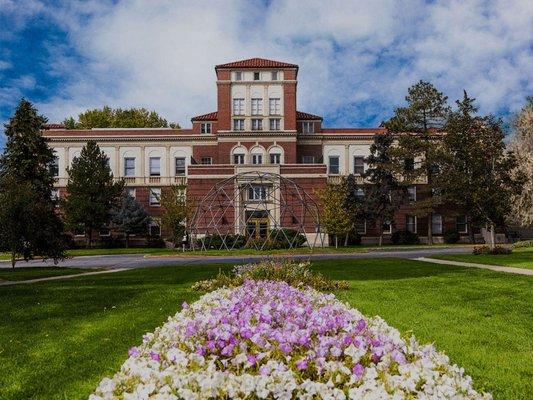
254,210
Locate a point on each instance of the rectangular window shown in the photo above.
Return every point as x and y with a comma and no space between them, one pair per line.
308,127
179,166
360,227
207,160
154,230
411,193
360,193
54,167
155,196
387,228
131,192
257,76
409,164
436,224
275,158
105,231
461,224
155,166
238,159
358,165
257,159
410,223
54,195
257,124
205,127
333,167
275,124
238,106
238,124
257,193
274,75
238,75
308,159
129,166
257,106
274,106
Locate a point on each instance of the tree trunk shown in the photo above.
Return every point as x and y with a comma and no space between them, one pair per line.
430,229
346,239
471,233
13,259
380,233
336,242
127,240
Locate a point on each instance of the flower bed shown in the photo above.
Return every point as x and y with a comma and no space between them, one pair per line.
267,339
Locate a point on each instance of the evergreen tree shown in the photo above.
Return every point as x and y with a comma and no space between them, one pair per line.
29,223
108,117
385,194
354,204
418,127
91,191
177,208
131,218
477,173
335,218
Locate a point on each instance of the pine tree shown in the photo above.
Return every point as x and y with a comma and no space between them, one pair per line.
29,222
92,193
418,127
131,218
354,204
385,194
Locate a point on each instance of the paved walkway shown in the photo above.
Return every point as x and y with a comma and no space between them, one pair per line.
499,268
56,278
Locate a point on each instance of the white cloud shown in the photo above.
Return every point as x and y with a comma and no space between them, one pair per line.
354,55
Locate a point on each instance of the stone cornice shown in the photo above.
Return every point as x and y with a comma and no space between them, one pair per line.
184,138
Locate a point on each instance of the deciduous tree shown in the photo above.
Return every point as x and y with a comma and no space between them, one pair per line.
177,209
335,218
29,223
92,192
130,218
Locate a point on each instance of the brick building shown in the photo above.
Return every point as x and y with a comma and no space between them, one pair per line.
256,127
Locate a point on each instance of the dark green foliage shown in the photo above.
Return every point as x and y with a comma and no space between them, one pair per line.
108,117
419,126
29,222
496,250
404,237
155,242
217,242
131,218
452,237
92,192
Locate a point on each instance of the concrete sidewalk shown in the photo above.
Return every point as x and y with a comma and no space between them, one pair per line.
499,268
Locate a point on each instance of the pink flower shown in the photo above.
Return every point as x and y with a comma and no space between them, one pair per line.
155,356
133,352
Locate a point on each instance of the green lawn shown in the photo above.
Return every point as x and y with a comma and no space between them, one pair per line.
26,273
58,339
519,258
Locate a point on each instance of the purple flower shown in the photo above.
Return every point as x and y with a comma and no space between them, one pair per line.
302,364
358,370
185,305
361,325
251,359
155,356
133,352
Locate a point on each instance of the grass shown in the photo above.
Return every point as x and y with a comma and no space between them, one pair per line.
26,273
59,339
519,258
178,252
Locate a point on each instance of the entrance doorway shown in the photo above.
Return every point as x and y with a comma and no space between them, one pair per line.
257,223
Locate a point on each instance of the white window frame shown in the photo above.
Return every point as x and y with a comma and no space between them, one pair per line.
258,75
415,223
308,127
151,168
154,197
240,157
274,106
305,159
54,167
176,166
358,231
257,159
206,161
388,231
338,165
238,124
257,193
257,106
205,127
54,194
129,168
108,234
238,75
257,124
275,124
238,106
411,193
465,224
275,158
436,219
356,166
152,225
275,75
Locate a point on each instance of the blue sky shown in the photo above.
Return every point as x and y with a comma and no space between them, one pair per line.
356,58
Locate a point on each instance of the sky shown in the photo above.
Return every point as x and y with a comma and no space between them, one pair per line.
356,58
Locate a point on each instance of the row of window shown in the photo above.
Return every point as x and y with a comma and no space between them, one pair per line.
274,75
274,106
334,165
461,224
257,124
257,159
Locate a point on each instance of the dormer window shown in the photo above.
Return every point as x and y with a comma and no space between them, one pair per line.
205,127
257,76
238,75
274,75
308,127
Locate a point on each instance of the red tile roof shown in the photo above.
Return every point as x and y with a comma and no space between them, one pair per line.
53,126
304,115
354,130
256,63
212,116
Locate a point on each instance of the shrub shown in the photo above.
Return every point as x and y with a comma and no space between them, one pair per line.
292,272
217,242
477,250
523,244
404,237
155,241
452,237
267,339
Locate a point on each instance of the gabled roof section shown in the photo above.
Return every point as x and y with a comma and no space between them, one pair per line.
306,116
212,116
257,63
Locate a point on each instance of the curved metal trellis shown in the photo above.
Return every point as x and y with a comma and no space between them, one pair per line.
252,209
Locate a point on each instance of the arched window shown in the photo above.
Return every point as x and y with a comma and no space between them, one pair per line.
276,155
258,155
238,155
